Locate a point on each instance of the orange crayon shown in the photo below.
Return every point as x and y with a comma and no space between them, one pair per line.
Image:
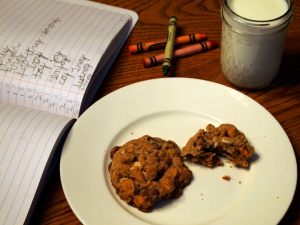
182,52
160,44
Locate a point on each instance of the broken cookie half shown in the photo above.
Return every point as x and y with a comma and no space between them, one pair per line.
208,146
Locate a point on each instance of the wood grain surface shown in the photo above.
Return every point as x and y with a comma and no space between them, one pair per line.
281,98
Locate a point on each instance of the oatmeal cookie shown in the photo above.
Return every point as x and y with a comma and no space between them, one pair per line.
207,146
146,170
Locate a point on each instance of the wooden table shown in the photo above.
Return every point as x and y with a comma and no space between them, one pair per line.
281,99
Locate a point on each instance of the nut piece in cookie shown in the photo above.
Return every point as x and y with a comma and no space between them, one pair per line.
207,146
146,170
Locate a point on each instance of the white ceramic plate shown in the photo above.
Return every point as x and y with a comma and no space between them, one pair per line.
174,109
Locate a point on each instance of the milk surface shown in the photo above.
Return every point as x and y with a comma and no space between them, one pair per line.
259,9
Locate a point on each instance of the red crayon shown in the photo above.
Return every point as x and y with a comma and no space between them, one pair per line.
160,44
182,52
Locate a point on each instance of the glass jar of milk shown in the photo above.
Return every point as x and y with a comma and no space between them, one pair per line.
253,34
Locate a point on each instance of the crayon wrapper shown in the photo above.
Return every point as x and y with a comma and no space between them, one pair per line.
167,62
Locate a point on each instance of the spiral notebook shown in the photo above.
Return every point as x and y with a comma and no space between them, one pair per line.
53,57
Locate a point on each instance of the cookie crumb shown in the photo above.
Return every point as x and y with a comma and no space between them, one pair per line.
240,182
226,177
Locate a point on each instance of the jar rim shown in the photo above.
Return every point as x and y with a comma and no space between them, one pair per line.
242,19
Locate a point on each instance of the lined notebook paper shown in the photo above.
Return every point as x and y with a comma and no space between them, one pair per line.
49,51
53,57
27,137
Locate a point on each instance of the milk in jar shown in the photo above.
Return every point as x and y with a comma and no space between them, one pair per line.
253,36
